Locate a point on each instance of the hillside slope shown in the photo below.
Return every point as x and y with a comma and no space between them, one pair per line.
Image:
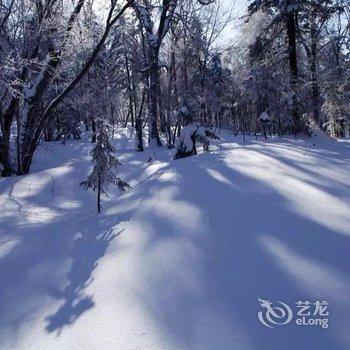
180,261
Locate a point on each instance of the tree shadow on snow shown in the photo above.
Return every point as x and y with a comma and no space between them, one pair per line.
86,251
255,246
250,243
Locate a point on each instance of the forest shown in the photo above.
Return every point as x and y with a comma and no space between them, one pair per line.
174,174
163,64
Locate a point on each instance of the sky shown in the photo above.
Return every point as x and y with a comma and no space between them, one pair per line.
238,5
238,8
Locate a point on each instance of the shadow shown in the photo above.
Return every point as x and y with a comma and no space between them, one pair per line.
199,252
86,252
51,242
237,242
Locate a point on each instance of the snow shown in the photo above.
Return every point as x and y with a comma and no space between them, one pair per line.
264,116
28,93
184,109
180,261
185,137
144,14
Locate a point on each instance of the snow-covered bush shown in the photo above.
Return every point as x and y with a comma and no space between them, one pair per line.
264,119
186,143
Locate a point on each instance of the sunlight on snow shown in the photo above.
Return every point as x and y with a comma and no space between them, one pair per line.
68,204
33,184
165,205
218,176
39,215
301,191
312,275
8,246
169,176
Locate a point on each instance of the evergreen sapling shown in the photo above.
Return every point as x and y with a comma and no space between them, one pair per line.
103,173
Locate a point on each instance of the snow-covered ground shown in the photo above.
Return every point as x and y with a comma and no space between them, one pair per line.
180,261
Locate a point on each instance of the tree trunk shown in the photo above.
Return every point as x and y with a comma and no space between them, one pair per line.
162,118
293,62
93,129
29,133
128,76
153,97
6,122
138,125
314,78
99,206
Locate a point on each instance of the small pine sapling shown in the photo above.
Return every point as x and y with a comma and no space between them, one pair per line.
105,163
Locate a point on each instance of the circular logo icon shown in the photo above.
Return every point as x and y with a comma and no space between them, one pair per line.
274,315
